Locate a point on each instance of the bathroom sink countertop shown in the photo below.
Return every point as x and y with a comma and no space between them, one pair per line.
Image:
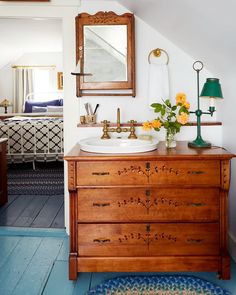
181,150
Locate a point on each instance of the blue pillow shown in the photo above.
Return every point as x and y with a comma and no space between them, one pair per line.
29,104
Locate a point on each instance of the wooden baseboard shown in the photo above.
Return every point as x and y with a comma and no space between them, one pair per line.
143,264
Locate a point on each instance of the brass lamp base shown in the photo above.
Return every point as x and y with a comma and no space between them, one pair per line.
199,143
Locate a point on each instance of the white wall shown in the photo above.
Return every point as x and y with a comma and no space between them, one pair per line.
29,58
6,91
182,77
229,142
21,35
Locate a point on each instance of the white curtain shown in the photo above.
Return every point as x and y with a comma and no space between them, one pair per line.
23,85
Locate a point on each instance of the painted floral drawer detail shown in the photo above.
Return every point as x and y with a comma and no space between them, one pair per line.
149,239
147,204
149,172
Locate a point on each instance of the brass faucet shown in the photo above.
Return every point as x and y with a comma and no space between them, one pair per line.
118,128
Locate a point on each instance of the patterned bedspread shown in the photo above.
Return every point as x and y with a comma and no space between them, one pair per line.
33,139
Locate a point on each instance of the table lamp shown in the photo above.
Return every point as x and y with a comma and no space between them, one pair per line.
212,90
5,104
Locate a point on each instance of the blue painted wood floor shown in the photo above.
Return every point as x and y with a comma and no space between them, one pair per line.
34,261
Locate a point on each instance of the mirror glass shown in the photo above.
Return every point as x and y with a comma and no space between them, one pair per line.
105,53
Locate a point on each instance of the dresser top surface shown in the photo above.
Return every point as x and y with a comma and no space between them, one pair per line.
181,151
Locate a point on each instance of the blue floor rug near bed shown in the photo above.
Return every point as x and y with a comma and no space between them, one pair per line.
158,285
46,179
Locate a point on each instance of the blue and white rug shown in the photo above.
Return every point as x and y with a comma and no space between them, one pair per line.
46,179
157,285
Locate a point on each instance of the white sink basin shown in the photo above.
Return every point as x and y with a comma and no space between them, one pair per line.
117,145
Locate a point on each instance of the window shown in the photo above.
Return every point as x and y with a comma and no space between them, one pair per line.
44,83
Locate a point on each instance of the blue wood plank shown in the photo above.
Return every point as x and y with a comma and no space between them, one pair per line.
64,251
7,245
35,275
10,214
58,222
32,232
83,283
11,199
13,269
58,282
30,211
48,212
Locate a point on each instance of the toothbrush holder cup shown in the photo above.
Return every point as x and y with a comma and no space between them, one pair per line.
90,119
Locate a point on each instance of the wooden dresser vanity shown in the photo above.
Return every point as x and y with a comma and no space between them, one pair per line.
164,210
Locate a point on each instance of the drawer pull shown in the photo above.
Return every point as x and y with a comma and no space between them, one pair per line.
101,204
196,204
100,173
194,241
101,241
196,172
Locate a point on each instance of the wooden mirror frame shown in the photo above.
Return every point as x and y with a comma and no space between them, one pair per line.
109,88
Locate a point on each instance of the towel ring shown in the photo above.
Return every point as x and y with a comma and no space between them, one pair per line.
157,53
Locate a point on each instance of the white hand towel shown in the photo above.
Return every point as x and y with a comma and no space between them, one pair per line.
158,83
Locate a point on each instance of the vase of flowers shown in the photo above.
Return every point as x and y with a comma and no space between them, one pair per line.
170,116
170,139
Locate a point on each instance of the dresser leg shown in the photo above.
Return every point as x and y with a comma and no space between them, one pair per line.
73,266
224,274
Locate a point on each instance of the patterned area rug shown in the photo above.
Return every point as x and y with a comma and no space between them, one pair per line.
46,179
157,285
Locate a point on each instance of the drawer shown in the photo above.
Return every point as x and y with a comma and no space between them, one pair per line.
152,172
140,204
153,239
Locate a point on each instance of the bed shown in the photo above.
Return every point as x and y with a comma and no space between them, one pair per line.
33,138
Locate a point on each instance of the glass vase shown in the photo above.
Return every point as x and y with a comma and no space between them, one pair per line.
170,139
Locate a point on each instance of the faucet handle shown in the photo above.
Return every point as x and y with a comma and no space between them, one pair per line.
132,122
105,129
105,122
132,129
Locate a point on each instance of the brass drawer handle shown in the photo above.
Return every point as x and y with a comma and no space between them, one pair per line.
101,241
197,204
195,241
196,172
100,173
101,204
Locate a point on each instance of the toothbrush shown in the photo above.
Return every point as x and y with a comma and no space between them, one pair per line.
86,108
96,109
90,109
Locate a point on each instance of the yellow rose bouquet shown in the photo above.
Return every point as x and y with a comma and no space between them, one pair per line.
171,117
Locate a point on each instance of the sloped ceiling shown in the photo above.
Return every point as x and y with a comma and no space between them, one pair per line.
19,36
204,29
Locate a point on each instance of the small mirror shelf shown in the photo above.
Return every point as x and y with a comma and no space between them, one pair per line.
105,48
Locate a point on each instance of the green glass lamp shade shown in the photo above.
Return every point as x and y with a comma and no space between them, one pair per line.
212,88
